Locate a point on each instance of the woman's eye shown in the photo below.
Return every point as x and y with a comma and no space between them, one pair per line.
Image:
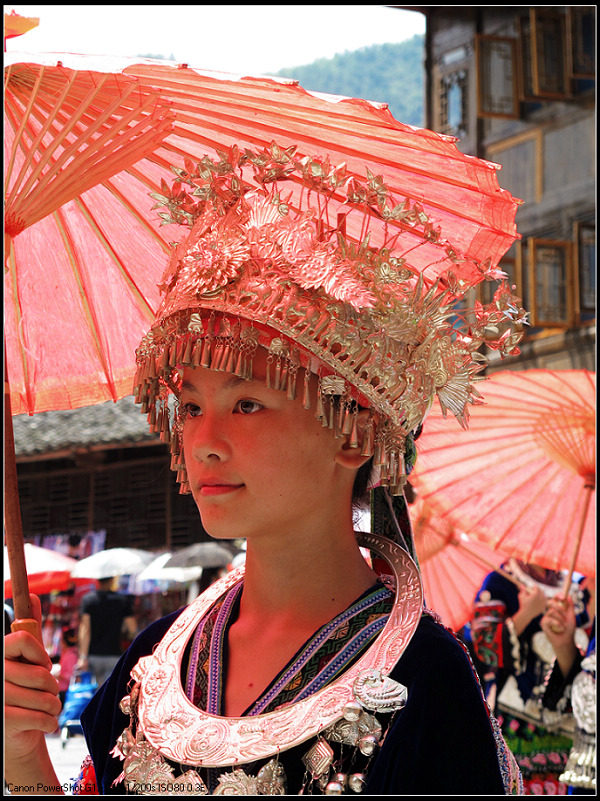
248,406
191,410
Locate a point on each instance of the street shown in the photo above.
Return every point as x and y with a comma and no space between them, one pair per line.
67,761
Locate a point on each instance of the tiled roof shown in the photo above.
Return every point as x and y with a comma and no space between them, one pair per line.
119,423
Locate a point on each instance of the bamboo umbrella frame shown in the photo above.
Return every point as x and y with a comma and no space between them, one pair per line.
71,130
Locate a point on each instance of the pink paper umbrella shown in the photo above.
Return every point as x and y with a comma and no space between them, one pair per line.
522,478
89,139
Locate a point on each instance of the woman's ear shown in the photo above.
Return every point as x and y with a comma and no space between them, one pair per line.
349,454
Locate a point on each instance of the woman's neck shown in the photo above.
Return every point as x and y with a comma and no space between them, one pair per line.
307,580
291,589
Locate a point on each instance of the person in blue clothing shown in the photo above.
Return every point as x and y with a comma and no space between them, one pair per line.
301,366
513,656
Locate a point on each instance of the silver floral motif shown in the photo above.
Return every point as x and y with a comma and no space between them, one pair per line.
333,385
351,731
583,695
189,783
124,744
144,769
378,692
271,779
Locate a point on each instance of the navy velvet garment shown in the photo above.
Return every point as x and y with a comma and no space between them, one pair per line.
442,742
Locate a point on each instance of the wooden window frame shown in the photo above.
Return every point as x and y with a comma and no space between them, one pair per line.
485,46
540,22
579,229
534,244
525,62
460,78
576,51
535,136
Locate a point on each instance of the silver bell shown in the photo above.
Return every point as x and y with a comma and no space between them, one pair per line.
341,778
352,711
356,782
368,744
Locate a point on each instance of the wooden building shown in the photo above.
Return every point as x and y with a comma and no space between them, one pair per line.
516,85
100,469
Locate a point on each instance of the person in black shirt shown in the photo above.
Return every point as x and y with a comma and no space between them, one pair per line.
105,616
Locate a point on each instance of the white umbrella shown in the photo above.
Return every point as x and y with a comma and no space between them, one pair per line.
113,562
239,559
203,554
156,571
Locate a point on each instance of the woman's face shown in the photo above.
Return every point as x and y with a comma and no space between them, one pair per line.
258,464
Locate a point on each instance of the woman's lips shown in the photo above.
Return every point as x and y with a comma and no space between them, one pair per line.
210,490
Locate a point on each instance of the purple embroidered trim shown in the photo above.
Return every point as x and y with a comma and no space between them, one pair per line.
215,672
193,660
313,646
340,662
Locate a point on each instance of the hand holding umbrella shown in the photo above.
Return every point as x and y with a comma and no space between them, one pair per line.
559,625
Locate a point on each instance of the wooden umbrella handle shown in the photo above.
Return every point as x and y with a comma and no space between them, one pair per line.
589,488
13,527
497,568
27,624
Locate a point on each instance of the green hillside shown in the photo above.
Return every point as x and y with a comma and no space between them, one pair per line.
389,73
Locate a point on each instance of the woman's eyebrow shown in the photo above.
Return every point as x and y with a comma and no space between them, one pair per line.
232,382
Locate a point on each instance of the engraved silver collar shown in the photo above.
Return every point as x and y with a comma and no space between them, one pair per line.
185,734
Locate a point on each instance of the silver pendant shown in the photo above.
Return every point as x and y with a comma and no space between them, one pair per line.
378,692
271,779
350,732
319,758
236,783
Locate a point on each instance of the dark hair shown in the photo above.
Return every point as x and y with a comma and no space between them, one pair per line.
360,490
70,635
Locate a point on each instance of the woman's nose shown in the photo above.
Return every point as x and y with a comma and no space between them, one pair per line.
207,438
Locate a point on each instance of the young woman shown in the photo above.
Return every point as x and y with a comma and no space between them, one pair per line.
514,654
301,361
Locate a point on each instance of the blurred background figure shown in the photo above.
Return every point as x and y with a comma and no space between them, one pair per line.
571,690
9,616
69,655
105,617
513,657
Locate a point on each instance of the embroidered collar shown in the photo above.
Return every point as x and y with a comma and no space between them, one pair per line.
326,653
